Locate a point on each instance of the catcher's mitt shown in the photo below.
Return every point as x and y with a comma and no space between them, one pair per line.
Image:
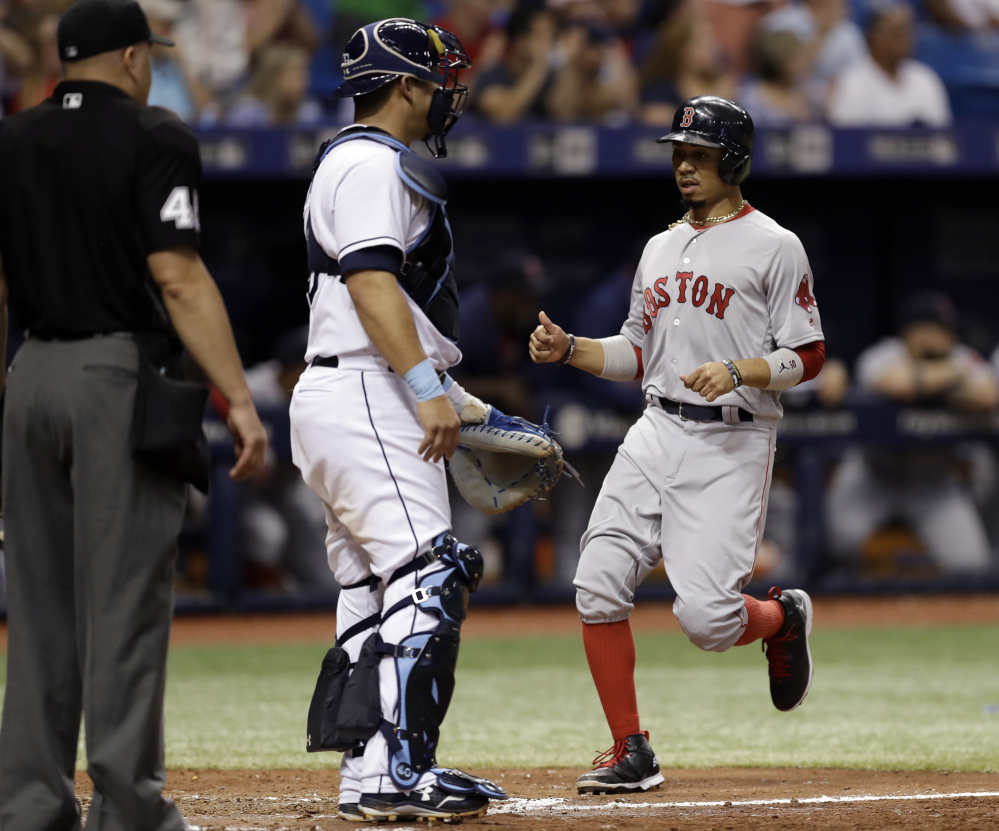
506,461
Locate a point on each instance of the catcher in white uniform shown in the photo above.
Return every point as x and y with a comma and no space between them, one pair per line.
722,318
374,416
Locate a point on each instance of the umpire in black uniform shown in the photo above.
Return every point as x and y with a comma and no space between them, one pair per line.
99,232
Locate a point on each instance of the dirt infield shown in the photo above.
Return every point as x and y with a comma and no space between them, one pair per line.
724,799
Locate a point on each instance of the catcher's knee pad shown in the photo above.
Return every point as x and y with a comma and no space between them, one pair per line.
425,661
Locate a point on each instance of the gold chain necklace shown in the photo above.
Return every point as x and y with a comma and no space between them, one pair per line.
710,219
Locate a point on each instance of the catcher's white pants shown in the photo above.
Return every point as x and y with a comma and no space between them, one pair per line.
354,435
689,493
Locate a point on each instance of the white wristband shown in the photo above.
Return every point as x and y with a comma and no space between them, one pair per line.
620,360
786,369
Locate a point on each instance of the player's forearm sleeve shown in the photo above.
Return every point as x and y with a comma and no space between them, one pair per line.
622,360
789,367
813,358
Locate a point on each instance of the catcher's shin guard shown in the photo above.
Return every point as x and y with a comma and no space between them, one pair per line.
425,661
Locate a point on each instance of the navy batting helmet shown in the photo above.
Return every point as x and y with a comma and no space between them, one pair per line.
717,122
380,52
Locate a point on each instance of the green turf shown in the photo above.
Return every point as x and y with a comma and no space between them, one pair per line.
882,699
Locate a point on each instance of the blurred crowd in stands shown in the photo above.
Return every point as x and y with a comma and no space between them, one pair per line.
253,63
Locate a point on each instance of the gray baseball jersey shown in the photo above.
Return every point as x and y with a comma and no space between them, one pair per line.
739,289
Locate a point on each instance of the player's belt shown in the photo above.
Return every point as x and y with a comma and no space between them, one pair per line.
331,362
698,412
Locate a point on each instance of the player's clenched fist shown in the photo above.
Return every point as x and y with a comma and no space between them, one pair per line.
548,341
709,380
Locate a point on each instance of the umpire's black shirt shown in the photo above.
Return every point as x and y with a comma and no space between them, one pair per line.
91,182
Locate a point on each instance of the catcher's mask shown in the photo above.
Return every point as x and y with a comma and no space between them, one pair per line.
717,122
380,52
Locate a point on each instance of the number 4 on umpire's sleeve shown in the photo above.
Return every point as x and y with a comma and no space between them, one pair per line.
181,209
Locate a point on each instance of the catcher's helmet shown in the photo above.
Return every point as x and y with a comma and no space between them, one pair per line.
717,122
380,52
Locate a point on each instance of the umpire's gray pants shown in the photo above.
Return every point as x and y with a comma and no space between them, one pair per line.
91,546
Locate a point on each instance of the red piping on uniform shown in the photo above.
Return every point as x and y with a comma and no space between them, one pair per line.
813,356
641,366
763,500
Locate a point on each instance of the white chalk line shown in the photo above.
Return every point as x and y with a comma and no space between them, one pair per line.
550,804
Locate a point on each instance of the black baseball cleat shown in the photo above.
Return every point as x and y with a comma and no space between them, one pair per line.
787,652
351,812
427,803
630,766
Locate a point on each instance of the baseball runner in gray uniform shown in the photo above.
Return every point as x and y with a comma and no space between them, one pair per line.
722,318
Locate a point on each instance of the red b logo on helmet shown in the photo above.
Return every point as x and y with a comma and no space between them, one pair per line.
688,117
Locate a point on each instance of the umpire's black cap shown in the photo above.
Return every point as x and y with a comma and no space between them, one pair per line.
90,27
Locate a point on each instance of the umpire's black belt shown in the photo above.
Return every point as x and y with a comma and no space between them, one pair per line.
698,412
50,338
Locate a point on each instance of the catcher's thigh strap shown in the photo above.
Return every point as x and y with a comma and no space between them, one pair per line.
425,661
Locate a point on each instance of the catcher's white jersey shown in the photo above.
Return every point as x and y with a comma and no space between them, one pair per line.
358,202
740,289
355,428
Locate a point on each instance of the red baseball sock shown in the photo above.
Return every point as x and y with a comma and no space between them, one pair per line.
765,618
610,652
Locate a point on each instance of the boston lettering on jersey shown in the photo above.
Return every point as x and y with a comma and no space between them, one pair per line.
687,290
427,273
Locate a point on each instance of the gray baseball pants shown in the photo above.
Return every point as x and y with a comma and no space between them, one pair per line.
693,495
91,548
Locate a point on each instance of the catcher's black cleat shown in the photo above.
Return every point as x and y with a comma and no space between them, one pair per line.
351,812
630,766
787,652
426,803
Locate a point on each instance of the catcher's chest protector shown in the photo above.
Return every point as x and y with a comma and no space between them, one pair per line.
428,272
